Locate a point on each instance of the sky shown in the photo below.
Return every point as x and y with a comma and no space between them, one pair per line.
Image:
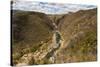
50,8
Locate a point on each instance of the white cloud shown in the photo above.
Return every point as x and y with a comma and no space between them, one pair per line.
49,8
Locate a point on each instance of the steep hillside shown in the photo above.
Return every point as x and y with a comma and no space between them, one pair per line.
30,30
79,31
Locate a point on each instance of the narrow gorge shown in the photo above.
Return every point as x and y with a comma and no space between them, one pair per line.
39,38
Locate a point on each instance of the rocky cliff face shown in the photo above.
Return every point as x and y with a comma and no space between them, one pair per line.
43,39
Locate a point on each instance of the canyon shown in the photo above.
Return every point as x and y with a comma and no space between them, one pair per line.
39,38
